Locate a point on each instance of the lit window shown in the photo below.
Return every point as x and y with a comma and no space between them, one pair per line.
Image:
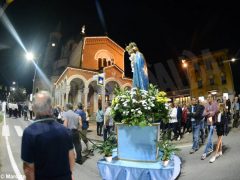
199,84
104,62
211,81
196,67
223,79
99,63
209,65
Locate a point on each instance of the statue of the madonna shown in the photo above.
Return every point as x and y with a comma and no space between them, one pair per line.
139,67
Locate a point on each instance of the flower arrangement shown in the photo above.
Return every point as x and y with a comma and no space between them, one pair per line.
137,107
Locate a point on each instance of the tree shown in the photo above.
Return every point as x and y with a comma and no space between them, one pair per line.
18,95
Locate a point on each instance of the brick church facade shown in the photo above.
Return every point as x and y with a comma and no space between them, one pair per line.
74,70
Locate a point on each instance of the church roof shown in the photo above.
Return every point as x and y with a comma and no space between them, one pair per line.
102,39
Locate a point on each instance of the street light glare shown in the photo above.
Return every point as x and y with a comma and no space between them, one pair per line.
233,59
185,65
183,61
29,56
53,44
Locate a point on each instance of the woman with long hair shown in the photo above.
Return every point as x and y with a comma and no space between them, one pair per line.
221,120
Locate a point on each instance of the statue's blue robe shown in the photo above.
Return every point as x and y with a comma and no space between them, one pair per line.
140,74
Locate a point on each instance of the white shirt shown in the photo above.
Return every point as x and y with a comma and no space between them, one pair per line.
219,117
173,115
30,106
108,113
3,106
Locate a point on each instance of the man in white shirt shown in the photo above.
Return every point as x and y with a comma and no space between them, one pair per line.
4,106
30,110
173,121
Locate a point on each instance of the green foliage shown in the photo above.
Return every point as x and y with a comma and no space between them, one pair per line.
137,107
166,147
107,146
19,95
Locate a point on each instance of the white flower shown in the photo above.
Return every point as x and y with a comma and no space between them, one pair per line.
153,105
116,107
144,91
134,101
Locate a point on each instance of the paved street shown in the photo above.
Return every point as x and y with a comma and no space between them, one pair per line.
226,167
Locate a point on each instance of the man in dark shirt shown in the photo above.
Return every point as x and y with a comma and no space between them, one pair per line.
196,115
47,148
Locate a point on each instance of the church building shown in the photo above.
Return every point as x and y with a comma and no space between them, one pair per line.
85,70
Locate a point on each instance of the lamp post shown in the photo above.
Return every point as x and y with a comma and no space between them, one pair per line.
4,7
185,66
30,57
233,60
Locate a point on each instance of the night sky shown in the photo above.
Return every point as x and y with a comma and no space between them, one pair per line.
161,29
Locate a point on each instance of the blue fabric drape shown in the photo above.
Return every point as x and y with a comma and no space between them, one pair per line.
140,74
128,170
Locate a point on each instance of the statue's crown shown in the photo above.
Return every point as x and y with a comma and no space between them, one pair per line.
131,47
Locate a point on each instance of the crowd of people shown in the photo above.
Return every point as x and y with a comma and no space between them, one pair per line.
18,109
201,118
74,118
63,137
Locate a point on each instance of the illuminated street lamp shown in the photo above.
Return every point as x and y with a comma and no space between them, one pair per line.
185,66
30,57
184,63
53,44
230,60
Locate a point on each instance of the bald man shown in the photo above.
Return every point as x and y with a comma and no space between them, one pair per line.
47,147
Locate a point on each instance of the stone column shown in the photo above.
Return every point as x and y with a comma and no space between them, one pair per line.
79,95
111,96
86,91
95,102
68,88
56,97
62,94
103,98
